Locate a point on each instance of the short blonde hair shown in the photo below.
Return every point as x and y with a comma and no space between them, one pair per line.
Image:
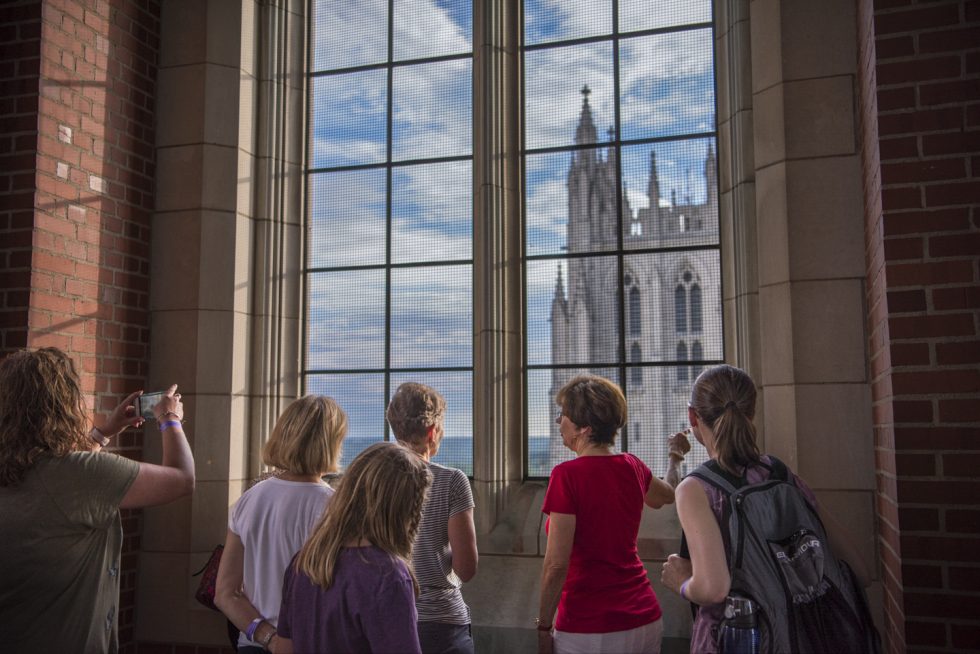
593,401
307,437
414,408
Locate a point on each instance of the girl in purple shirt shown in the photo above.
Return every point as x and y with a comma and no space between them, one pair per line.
350,589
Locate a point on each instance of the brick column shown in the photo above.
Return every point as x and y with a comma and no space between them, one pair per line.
20,32
921,137
79,91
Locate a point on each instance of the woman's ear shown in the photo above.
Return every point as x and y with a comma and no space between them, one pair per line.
692,417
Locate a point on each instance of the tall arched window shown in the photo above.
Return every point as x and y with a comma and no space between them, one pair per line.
680,309
681,356
393,227
635,323
696,309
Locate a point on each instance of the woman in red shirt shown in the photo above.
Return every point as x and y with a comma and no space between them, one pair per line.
592,573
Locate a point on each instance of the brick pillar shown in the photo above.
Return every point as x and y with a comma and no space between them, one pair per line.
20,32
920,76
78,137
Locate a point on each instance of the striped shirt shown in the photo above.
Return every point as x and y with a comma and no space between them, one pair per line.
440,599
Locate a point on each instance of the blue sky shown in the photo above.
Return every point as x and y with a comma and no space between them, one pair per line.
666,86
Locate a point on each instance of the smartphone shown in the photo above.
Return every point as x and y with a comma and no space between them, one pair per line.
146,402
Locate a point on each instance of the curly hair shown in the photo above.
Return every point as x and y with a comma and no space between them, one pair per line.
414,408
596,402
380,499
42,411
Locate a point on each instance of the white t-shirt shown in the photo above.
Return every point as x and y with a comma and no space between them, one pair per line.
274,519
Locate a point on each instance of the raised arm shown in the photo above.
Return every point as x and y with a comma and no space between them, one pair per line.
705,576
174,477
658,493
462,542
678,446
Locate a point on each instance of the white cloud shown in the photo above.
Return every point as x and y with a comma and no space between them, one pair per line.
346,218
423,29
432,110
432,212
643,14
349,33
548,20
553,99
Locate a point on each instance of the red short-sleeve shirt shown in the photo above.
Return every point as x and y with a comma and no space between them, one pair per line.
607,587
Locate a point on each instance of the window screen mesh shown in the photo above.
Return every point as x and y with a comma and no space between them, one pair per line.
389,213
621,213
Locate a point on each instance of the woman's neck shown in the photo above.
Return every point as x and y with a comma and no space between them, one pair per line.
594,449
358,542
421,450
295,476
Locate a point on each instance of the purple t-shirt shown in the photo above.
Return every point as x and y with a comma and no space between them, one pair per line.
369,608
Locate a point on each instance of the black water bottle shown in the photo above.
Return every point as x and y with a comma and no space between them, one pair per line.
740,630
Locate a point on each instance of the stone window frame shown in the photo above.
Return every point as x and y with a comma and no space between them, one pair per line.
499,450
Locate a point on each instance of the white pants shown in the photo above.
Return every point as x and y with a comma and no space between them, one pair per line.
642,640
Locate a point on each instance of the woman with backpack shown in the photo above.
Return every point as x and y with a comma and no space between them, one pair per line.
721,411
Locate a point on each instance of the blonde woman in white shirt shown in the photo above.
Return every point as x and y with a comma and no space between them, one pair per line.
272,520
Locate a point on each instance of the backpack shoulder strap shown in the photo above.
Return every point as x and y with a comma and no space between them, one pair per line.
778,469
713,473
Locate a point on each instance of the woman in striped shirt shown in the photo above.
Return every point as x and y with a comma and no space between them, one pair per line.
445,553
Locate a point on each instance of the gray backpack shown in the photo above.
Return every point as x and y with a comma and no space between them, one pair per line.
779,557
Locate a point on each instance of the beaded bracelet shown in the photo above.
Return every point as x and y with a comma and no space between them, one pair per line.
96,435
268,639
175,425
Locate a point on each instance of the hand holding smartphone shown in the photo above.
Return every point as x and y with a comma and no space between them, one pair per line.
146,402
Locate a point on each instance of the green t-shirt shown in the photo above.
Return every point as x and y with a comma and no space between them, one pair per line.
60,544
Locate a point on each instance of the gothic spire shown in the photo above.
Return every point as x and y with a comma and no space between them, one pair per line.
711,175
585,133
559,301
653,186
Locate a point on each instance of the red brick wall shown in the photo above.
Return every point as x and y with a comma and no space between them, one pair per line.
879,351
921,138
20,44
79,78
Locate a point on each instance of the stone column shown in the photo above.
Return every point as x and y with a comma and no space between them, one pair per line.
226,257
736,180
809,206
497,241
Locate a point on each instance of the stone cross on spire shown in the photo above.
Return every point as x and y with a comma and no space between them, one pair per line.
585,133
